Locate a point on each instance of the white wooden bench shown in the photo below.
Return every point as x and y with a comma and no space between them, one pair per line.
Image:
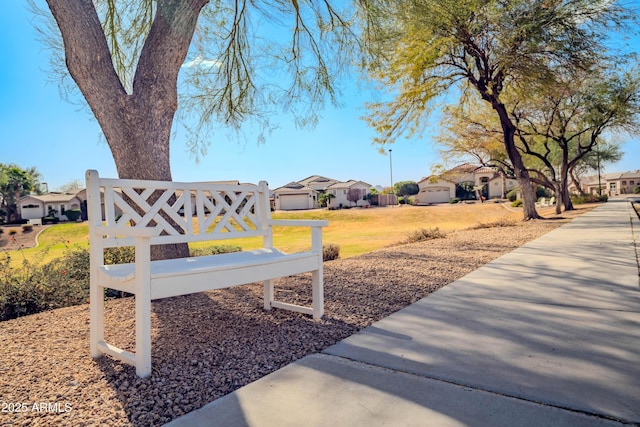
144,213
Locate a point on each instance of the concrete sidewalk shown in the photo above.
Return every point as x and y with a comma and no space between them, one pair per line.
547,335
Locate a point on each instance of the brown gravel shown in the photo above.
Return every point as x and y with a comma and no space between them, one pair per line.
207,345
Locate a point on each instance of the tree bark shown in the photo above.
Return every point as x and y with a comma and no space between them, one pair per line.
137,126
522,174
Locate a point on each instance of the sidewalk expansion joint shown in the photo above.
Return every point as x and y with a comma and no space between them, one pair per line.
484,390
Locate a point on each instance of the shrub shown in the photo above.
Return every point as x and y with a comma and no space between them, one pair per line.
330,252
512,195
73,214
588,198
454,201
33,288
516,203
215,250
636,190
119,255
26,228
502,222
423,234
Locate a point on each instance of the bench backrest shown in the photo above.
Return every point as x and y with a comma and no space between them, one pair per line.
181,212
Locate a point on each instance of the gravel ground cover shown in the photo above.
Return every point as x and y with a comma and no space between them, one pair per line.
207,345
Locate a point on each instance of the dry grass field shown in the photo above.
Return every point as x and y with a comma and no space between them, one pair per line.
356,231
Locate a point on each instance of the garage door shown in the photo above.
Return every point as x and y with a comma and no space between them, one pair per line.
290,202
438,195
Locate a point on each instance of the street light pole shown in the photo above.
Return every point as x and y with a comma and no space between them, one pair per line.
391,171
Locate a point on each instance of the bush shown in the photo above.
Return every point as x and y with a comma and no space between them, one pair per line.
73,214
26,228
330,252
636,190
454,201
502,222
516,203
33,288
215,250
423,234
588,198
119,255
50,220
512,195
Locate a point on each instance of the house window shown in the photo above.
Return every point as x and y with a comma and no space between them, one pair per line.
484,180
344,191
612,187
624,182
631,182
61,209
30,206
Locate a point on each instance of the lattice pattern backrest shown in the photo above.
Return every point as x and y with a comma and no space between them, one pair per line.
184,212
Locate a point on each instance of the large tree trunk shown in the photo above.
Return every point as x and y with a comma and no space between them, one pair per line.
564,186
522,174
137,126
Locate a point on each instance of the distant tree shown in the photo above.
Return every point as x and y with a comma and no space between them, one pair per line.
354,194
324,199
406,188
15,182
562,123
603,153
71,186
470,132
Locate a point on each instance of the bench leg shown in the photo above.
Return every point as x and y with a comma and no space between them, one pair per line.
96,315
268,294
317,293
143,335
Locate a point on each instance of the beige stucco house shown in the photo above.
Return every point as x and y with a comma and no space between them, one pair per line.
613,184
340,191
464,179
304,194
38,206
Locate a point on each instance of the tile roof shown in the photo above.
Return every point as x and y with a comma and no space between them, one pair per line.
52,197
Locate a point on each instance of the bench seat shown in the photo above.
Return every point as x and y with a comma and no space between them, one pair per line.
194,274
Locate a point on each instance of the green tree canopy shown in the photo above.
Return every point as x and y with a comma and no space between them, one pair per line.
137,61
406,188
428,49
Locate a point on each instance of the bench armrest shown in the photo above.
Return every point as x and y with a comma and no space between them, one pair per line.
299,222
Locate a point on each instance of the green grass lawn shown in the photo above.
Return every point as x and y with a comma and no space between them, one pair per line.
356,231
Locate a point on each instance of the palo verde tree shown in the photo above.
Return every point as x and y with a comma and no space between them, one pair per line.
236,61
561,123
431,48
470,132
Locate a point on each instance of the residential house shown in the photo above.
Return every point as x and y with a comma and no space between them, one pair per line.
38,206
342,190
295,196
465,181
304,194
612,184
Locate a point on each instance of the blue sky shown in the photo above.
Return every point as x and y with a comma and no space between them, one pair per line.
38,128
